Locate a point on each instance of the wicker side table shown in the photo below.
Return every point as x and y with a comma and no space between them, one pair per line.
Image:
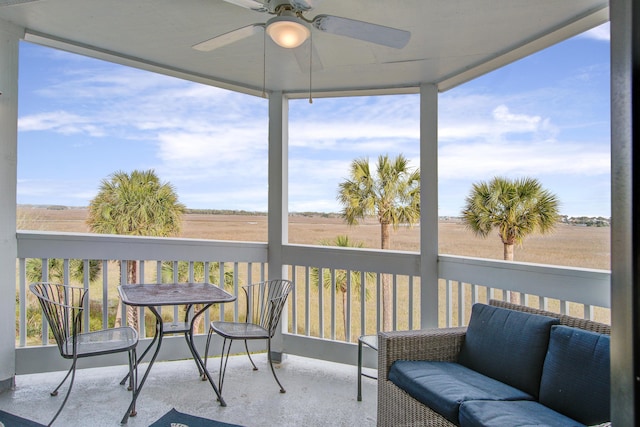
370,341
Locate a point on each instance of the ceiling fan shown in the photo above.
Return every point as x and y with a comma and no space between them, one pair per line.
289,28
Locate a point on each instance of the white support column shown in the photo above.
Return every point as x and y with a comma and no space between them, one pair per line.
429,205
625,213
278,231
9,38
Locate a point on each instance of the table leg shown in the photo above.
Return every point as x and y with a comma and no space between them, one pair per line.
359,370
131,411
197,358
189,343
144,353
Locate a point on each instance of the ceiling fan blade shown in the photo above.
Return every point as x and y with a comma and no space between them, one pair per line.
305,63
305,5
12,2
366,31
228,38
249,4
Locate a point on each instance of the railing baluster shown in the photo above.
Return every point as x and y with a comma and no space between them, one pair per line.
347,332
460,303
141,310
236,289
222,284
176,315
449,312
588,312
410,302
394,309
378,302
294,306
332,278
207,279
307,301
22,277
363,303
105,294
87,301
123,281
320,304
564,307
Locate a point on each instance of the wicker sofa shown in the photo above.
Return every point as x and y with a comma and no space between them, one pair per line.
396,407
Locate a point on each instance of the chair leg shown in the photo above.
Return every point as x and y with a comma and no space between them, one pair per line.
223,367
206,352
273,371
246,346
55,392
133,379
72,370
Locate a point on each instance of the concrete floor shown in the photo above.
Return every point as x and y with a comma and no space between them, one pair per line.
318,394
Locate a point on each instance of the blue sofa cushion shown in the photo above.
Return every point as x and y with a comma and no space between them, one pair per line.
520,413
576,378
507,345
442,386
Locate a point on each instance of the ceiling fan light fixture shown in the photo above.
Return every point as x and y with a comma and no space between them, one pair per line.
288,31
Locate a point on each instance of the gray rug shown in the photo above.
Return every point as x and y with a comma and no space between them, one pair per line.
10,420
174,418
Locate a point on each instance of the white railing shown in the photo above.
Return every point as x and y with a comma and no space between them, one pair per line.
322,321
580,292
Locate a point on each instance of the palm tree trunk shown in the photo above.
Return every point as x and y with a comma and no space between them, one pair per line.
508,252
508,256
387,292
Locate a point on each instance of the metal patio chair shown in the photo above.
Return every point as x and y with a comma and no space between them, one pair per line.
265,302
63,308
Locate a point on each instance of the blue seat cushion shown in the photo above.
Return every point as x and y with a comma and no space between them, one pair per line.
520,413
576,375
507,345
442,386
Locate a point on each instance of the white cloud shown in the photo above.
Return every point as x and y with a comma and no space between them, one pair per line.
61,122
602,32
520,158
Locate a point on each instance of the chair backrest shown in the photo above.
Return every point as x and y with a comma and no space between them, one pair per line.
62,306
265,302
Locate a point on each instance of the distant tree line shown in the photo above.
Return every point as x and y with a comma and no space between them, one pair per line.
223,212
587,221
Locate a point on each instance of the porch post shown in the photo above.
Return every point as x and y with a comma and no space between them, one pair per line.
625,213
278,231
9,38
428,206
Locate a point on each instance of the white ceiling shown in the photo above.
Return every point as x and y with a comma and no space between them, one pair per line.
452,41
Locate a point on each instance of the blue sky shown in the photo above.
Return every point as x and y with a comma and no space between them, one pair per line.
81,119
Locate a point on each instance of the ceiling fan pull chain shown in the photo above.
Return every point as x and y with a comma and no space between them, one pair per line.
310,67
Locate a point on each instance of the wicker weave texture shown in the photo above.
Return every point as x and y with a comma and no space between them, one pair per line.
395,407
575,322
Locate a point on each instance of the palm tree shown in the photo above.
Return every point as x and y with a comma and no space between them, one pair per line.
56,274
392,195
340,276
515,208
135,204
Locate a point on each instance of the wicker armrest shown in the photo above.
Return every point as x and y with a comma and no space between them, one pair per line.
426,344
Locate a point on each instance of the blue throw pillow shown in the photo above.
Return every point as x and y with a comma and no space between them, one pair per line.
576,377
507,345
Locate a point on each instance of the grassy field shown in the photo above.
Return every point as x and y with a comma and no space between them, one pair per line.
569,245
